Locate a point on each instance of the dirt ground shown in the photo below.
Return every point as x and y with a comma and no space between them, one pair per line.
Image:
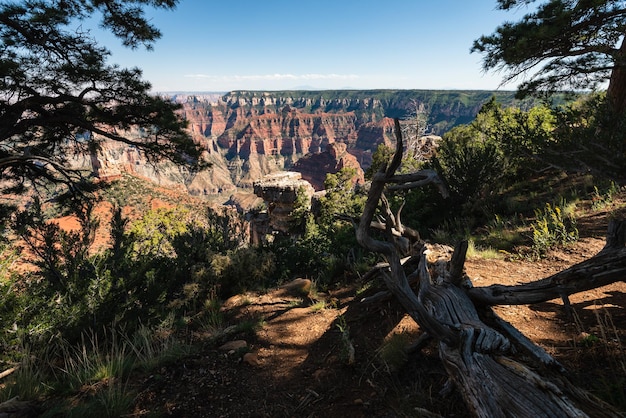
297,362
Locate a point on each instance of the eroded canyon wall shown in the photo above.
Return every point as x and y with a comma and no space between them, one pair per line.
250,134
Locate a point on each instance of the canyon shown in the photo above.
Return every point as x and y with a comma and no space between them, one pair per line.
247,135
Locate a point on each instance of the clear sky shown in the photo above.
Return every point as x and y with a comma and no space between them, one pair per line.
211,45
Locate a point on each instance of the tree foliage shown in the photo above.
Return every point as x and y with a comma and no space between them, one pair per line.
499,147
590,117
470,163
340,197
59,96
564,44
380,157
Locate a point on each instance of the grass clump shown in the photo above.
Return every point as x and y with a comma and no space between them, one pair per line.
347,352
319,305
25,382
600,199
393,352
554,225
90,378
486,253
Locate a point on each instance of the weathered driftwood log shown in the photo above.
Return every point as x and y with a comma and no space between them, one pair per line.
476,356
491,382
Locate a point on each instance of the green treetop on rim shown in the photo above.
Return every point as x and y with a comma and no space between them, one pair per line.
57,89
565,44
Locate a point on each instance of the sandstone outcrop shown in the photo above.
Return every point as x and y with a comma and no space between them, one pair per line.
280,191
314,167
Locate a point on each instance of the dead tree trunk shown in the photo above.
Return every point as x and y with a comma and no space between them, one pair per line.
477,357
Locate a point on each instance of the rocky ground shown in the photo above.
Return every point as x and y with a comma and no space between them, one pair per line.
298,362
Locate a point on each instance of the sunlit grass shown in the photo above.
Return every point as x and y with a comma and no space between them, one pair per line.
320,305
487,253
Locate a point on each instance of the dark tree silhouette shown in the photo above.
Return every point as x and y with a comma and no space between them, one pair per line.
59,96
570,44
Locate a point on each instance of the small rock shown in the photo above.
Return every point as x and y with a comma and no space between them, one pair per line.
232,302
234,345
297,287
251,358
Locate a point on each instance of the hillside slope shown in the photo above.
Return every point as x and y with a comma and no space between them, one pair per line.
297,366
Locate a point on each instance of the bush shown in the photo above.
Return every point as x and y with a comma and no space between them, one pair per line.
591,136
159,265
472,165
497,149
552,227
241,270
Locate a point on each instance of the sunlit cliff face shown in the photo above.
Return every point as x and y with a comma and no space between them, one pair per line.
248,135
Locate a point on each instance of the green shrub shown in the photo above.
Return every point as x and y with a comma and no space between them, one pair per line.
591,136
553,226
158,265
61,256
243,269
471,164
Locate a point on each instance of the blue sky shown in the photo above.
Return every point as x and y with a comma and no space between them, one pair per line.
212,45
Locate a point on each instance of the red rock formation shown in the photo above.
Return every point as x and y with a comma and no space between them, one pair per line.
247,138
371,135
265,133
289,132
314,167
204,122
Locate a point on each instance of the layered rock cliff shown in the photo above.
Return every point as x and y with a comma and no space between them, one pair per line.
248,135
314,167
